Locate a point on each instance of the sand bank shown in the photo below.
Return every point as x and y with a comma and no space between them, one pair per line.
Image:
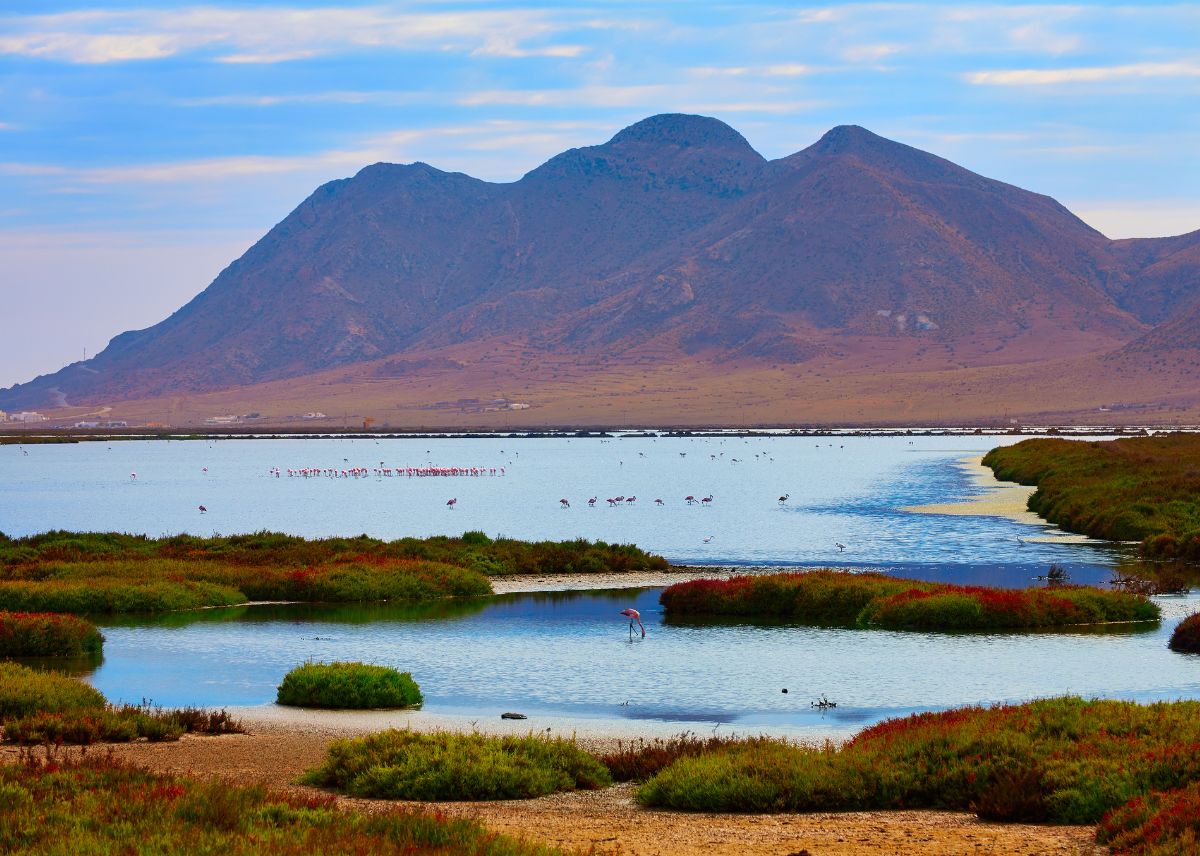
998,499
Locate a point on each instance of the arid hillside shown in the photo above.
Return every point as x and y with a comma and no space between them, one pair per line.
672,251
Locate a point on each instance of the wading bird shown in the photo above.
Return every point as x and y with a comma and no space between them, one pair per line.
840,546
203,510
450,503
564,504
633,615
784,498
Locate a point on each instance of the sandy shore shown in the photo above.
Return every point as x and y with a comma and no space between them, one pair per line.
998,499
609,821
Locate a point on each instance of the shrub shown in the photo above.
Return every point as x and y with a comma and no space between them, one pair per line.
1065,760
348,685
1186,636
447,766
877,600
25,691
98,805
31,634
639,760
1158,824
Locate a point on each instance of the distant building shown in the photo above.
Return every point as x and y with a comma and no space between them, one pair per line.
87,424
518,405
316,414
3,416
228,419
27,416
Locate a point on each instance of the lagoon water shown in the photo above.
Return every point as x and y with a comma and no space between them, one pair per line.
568,655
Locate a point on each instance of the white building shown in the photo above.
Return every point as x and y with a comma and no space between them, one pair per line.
27,416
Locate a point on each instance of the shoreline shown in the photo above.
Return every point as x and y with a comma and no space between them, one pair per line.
999,499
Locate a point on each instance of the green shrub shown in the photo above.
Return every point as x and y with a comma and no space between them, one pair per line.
1064,760
31,634
99,805
641,759
25,691
448,766
1134,489
348,685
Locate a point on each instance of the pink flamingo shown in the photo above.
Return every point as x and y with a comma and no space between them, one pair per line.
707,500
564,503
689,499
203,509
450,503
659,502
633,615
630,500
592,502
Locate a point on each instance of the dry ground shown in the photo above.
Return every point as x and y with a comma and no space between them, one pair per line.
610,822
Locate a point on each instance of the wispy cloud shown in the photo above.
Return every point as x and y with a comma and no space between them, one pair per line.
278,34
1089,74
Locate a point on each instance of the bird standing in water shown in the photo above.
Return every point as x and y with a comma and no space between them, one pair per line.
633,615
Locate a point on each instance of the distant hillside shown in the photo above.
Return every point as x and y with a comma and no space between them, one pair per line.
675,237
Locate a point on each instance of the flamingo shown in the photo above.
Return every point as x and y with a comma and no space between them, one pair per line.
592,502
689,499
133,476
708,538
633,615
450,503
784,498
707,500
564,504
839,545
629,500
659,502
203,509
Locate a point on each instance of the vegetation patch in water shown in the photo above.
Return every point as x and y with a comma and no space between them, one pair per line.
348,686
99,805
1063,760
33,634
1143,489
40,707
109,572
449,766
877,600
1186,636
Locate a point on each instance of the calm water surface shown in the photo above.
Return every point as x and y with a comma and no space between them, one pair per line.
568,655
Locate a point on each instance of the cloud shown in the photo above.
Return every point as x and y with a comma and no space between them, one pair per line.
593,96
266,58
1093,74
1134,218
870,53
276,34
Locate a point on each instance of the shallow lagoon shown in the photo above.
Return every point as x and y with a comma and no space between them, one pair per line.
566,657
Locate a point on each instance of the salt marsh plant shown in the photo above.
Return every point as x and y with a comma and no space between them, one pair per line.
348,686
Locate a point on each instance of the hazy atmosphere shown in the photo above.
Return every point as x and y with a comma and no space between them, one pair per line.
143,148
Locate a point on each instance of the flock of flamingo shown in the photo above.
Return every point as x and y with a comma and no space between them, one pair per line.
383,471
614,501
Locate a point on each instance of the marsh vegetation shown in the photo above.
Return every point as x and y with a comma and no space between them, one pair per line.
866,600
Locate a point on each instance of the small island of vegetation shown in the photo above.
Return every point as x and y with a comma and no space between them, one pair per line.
42,707
1186,636
41,634
108,572
1144,489
847,599
348,686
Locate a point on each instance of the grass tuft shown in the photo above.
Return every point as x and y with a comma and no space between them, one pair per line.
449,766
348,685
1186,636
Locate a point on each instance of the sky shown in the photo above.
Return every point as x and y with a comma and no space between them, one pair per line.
144,147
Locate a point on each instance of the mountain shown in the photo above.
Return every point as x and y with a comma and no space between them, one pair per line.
675,241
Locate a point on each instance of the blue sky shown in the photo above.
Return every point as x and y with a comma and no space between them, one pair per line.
144,147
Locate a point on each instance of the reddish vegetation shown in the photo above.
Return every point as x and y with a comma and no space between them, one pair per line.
674,244
1186,636
42,634
878,600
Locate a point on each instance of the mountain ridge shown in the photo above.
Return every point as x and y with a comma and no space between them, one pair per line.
674,235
